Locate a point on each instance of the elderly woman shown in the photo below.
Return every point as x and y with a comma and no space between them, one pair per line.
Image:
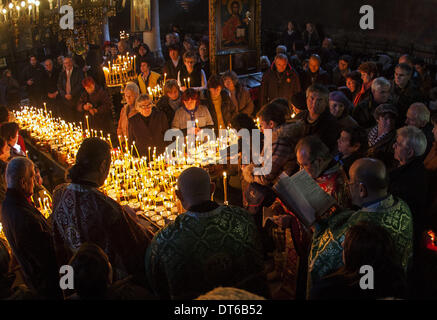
341,107
96,103
382,137
171,100
192,110
131,93
239,94
147,128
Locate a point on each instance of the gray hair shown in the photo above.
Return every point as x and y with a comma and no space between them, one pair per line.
421,112
169,85
18,169
320,89
414,138
281,56
231,75
132,86
142,97
380,83
281,49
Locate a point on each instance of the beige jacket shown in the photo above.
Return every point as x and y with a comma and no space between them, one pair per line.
123,122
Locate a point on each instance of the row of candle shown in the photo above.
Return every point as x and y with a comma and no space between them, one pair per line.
121,71
144,183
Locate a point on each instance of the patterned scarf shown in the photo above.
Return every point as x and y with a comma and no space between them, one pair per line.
373,136
191,112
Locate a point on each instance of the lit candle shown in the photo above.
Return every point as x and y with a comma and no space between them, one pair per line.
188,82
225,186
87,123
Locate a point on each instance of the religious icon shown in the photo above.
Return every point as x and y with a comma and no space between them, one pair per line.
235,25
141,15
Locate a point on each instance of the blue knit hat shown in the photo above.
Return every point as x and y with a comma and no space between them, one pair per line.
340,97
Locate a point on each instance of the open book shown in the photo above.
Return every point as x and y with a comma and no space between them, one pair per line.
303,196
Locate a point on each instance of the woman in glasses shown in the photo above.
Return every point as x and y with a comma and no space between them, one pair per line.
147,128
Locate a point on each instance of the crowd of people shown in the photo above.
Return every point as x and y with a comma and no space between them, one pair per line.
364,130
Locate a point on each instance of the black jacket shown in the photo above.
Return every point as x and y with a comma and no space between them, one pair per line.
383,149
410,182
29,236
164,105
326,127
404,98
50,81
228,109
75,82
171,70
35,73
279,85
363,112
308,78
148,132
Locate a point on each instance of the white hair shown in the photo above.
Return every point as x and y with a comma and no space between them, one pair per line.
17,169
132,86
421,112
414,138
380,83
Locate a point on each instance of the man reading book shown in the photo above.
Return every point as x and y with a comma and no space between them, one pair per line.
369,191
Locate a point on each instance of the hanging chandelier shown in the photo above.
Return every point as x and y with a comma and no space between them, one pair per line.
20,11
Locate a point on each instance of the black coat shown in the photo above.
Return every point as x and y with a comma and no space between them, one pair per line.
279,85
164,105
228,109
171,70
326,127
363,113
308,78
383,149
148,132
50,81
404,98
410,182
76,84
29,236
289,40
33,72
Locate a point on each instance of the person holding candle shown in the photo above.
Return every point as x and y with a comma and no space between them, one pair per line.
82,214
147,78
171,100
131,93
192,73
190,111
95,102
147,128
173,65
176,271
